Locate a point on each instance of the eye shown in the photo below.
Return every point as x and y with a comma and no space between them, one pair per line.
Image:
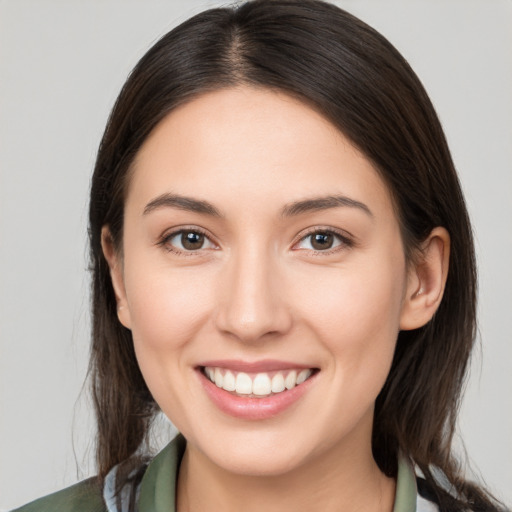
188,240
322,240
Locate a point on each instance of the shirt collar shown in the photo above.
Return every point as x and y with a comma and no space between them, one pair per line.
406,491
158,487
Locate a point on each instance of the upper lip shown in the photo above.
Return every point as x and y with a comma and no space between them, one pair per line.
264,365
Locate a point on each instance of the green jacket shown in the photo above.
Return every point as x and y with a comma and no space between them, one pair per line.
158,488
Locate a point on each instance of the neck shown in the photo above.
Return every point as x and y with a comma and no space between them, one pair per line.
347,480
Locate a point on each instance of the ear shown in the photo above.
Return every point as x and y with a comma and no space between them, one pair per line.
115,264
426,280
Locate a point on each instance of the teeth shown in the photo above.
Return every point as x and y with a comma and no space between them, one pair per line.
278,383
219,379
259,385
229,381
291,380
243,384
303,375
211,373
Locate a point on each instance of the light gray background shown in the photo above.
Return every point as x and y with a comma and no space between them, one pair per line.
61,66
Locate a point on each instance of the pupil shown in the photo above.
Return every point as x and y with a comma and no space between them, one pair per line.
322,241
191,240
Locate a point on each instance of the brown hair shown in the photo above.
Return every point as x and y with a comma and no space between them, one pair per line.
358,80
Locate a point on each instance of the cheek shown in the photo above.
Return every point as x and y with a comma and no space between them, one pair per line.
167,308
356,313
356,299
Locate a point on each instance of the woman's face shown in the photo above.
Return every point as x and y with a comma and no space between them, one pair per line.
260,249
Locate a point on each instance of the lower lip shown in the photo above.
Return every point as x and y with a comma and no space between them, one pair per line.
254,408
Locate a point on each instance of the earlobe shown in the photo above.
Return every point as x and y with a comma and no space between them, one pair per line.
426,280
116,275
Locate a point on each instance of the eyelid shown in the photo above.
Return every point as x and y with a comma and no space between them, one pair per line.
346,239
167,235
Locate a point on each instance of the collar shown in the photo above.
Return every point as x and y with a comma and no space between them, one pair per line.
158,486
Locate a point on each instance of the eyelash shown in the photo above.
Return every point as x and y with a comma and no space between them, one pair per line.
345,241
166,239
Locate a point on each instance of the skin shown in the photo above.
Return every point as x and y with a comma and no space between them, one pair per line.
258,289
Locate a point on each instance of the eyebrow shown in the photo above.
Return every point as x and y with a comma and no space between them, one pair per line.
290,210
322,203
182,203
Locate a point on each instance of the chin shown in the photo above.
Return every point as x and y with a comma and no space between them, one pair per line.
259,465
253,453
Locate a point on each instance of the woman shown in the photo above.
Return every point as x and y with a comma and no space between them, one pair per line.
283,264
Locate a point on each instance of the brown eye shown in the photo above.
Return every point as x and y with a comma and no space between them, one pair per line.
188,240
191,240
322,241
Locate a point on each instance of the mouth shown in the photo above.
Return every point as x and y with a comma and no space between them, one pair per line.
257,385
255,391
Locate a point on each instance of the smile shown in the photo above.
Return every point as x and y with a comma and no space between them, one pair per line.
255,391
263,384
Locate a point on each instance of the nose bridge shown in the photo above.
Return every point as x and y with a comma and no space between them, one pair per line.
252,304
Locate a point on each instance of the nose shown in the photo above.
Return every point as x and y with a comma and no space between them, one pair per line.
252,303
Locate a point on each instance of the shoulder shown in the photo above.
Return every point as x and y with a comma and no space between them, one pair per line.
85,496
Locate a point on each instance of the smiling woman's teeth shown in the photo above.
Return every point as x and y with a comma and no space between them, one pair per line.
261,384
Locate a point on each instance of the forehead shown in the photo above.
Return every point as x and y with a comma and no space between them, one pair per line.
255,145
